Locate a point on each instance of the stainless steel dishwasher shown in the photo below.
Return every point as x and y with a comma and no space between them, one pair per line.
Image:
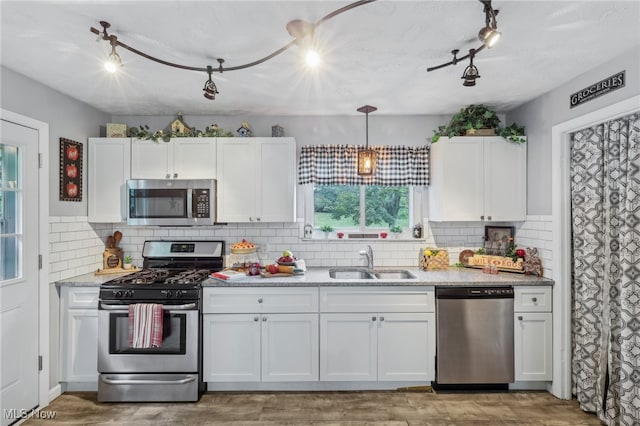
474,335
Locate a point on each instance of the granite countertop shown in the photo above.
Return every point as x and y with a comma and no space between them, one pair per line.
451,277
315,277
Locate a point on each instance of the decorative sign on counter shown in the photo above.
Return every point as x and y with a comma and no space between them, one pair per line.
602,87
500,262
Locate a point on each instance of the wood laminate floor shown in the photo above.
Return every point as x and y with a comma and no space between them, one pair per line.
326,408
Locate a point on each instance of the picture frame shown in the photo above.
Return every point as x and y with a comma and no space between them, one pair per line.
70,170
498,239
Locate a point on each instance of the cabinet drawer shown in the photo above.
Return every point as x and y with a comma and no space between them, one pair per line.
377,299
80,297
260,300
532,299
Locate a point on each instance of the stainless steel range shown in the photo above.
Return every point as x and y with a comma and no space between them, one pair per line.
170,369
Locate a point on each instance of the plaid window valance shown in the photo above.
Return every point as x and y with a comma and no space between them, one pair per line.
338,165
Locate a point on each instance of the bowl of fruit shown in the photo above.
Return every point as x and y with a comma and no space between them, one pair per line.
287,258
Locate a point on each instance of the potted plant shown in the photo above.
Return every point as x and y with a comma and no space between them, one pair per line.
127,262
478,120
396,230
326,229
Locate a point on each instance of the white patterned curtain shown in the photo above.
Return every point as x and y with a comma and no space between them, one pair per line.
605,197
338,165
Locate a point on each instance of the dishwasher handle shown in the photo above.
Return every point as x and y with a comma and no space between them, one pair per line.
474,293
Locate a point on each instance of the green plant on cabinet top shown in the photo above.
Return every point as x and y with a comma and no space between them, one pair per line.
475,117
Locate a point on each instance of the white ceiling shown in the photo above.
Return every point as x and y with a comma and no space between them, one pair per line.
377,54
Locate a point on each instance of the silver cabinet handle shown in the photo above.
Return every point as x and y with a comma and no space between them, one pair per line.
481,217
489,218
381,318
373,318
175,175
168,176
258,219
260,300
264,319
534,299
520,318
255,318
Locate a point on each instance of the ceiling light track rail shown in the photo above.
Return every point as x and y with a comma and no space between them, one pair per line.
114,41
489,35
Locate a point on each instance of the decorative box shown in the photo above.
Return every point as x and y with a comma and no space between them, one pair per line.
434,259
115,130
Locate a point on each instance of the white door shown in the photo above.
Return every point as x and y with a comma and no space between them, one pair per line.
237,174
150,160
290,347
18,269
194,158
277,170
406,346
532,337
231,347
348,345
505,186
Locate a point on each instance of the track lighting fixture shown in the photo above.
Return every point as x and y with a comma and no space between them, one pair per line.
489,35
470,73
367,157
114,62
210,89
298,29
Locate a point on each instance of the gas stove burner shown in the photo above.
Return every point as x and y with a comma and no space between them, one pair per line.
146,276
189,277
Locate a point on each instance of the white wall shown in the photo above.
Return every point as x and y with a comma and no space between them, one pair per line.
552,108
67,118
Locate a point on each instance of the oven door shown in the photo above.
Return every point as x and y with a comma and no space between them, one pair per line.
177,353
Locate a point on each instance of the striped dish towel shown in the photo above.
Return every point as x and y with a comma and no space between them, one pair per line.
145,325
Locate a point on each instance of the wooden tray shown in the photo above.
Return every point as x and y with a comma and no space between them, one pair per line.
280,274
117,271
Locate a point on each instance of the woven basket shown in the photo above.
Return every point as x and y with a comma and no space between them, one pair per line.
439,261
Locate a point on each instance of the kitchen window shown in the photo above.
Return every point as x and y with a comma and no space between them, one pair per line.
336,196
359,207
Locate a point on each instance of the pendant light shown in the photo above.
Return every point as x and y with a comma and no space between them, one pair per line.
367,157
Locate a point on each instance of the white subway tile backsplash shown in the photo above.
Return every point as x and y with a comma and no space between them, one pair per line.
76,246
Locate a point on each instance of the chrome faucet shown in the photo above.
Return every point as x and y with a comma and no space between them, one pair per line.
368,253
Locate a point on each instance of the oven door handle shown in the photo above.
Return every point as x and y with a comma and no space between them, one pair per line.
109,381
186,307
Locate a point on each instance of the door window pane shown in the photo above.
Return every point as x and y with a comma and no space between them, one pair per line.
9,213
9,257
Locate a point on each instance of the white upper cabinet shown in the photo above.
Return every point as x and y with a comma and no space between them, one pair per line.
108,170
180,158
256,179
477,179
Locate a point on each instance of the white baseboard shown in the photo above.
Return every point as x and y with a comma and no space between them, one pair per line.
55,392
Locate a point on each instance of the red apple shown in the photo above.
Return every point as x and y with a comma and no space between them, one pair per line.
72,171
383,234
340,234
72,153
72,189
272,269
520,253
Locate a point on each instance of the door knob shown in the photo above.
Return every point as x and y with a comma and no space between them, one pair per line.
264,319
520,318
255,318
260,300
373,318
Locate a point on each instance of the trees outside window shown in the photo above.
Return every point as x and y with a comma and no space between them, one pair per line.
361,207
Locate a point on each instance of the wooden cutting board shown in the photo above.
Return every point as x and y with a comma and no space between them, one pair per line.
279,274
117,271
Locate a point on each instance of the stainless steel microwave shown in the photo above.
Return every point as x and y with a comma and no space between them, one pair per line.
171,202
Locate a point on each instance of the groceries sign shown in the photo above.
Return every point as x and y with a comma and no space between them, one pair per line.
602,87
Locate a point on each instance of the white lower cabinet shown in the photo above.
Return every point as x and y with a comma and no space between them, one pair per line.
273,337
533,334
79,334
396,342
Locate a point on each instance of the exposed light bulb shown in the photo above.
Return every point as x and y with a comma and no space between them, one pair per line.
312,58
113,63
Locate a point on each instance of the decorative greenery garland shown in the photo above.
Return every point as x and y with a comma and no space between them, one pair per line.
143,132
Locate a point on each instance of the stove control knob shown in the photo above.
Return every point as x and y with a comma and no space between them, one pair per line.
117,293
128,293
169,294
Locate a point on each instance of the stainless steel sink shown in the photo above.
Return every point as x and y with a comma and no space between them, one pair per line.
351,274
396,274
368,274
